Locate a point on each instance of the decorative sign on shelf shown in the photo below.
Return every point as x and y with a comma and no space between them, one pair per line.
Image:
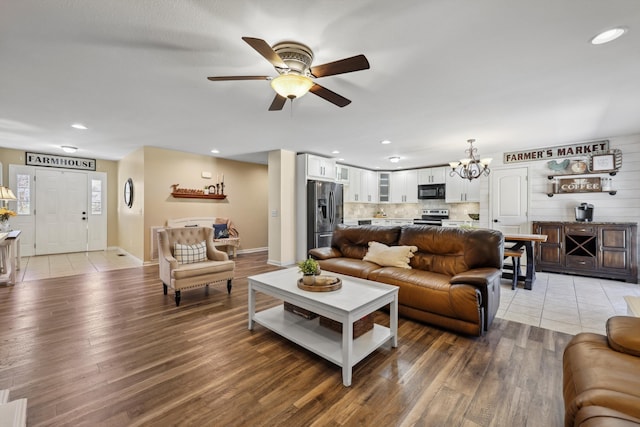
189,193
577,185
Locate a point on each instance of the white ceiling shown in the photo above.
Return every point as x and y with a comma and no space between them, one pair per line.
513,74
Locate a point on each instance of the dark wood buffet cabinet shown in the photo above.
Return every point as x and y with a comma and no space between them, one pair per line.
598,249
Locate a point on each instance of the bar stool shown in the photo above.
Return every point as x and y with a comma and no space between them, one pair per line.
515,255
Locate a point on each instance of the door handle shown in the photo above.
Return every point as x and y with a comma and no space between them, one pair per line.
495,220
84,218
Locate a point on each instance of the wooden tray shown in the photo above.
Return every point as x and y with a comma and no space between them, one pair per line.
320,288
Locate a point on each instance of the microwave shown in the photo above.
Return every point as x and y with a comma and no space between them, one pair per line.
431,191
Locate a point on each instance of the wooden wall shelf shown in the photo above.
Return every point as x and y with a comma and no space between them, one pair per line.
199,196
611,192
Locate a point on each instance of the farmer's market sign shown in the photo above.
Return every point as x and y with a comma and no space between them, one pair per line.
574,150
51,161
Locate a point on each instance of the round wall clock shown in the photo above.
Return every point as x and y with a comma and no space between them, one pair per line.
128,193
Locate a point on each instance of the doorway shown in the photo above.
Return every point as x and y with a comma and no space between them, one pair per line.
509,200
59,210
61,207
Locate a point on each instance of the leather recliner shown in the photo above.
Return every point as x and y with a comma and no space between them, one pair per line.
601,376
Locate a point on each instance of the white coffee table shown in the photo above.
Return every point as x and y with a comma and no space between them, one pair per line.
356,299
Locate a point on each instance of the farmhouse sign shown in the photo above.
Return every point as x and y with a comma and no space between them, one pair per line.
52,161
574,150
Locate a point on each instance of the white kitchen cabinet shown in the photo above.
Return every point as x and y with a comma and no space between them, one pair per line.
369,185
320,168
353,190
404,186
460,190
435,175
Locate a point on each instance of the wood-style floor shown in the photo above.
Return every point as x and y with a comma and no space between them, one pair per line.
110,349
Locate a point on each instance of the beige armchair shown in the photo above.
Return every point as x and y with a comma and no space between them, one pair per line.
194,263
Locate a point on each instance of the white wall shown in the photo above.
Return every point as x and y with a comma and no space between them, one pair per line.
622,207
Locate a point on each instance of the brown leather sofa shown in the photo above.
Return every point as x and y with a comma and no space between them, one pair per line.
601,379
454,280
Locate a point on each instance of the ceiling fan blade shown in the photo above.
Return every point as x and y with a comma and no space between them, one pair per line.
347,65
278,103
225,78
329,95
263,48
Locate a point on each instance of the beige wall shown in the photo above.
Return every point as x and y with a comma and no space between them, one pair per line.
246,187
131,220
17,157
281,211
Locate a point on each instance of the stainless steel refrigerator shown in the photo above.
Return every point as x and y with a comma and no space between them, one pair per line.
324,212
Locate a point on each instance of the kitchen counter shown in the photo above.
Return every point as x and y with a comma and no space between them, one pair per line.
459,223
379,221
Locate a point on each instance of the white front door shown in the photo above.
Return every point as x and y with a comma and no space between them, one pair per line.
509,200
61,211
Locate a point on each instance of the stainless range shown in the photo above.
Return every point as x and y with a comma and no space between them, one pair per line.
432,217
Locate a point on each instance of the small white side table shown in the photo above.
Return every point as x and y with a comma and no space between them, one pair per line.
10,254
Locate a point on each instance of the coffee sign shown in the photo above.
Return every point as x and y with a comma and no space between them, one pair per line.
579,185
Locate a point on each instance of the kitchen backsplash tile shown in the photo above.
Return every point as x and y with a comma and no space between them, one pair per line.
457,211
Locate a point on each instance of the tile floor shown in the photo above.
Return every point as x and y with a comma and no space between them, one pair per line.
559,302
566,303
44,266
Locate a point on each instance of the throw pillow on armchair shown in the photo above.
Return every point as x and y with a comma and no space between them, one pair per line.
220,231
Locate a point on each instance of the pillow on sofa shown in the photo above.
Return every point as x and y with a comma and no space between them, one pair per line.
389,256
220,231
188,254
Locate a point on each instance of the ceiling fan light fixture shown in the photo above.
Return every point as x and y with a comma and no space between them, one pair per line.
291,85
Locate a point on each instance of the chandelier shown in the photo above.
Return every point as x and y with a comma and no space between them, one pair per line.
470,168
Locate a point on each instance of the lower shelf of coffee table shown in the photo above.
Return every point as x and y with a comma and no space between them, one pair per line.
319,339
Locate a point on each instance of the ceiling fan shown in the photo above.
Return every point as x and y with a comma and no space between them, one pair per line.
292,61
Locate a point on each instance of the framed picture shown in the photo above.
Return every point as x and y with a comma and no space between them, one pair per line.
602,162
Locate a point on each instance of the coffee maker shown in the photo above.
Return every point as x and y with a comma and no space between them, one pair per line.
584,212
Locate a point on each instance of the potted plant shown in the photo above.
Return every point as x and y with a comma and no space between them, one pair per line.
309,269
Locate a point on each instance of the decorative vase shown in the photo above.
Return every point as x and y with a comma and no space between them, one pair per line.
309,279
4,225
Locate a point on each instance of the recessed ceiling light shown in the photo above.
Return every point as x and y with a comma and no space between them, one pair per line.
79,126
335,152
341,159
214,151
69,149
386,141
394,159
608,35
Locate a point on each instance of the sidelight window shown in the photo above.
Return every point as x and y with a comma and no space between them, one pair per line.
23,194
96,197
